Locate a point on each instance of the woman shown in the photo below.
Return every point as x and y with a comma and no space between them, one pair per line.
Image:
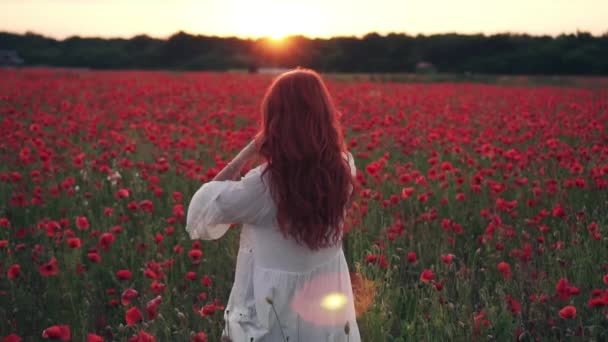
292,281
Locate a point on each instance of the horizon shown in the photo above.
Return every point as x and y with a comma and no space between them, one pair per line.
61,19
127,37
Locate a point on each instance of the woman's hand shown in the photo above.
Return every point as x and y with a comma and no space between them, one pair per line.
233,168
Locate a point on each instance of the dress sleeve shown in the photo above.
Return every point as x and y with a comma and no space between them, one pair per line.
351,163
353,169
217,204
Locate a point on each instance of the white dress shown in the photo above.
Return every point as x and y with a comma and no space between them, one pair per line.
310,290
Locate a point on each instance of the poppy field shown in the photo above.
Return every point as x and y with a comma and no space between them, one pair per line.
481,211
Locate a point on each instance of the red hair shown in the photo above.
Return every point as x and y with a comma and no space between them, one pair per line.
301,140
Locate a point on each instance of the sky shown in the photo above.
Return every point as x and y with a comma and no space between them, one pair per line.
312,18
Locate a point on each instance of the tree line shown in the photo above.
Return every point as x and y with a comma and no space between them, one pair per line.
566,54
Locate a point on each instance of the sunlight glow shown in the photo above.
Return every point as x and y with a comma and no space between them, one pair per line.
333,301
312,18
277,38
277,19
322,301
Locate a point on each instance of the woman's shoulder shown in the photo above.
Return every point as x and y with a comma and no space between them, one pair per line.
256,178
255,172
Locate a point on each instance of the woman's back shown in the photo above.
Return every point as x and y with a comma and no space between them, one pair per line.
281,286
270,242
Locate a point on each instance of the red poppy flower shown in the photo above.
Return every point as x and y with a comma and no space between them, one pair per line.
12,338
598,302
558,211
178,249
127,296
373,168
133,316
447,258
152,307
423,198
208,310
157,287
142,336
94,338
57,332
122,193
206,281
565,289
74,242
14,271
146,206
504,269
427,275
106,240
94,257
379,259
132,206
178,211
177,196
195,254
123,274
514,305
412,257
49,269
481,319
567,312
199,337
407,192
82,223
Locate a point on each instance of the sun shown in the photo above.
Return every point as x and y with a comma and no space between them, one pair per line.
277,37
275,20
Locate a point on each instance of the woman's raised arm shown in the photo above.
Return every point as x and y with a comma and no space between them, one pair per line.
233,168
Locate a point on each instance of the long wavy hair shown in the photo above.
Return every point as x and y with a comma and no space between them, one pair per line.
301,140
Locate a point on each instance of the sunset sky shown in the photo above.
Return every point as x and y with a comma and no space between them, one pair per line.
313,18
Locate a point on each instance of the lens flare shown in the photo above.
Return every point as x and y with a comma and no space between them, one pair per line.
325,300
333,301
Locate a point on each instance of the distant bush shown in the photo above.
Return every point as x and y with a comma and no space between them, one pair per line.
571,54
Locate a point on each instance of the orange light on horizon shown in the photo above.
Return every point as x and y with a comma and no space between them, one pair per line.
310,18
278,38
